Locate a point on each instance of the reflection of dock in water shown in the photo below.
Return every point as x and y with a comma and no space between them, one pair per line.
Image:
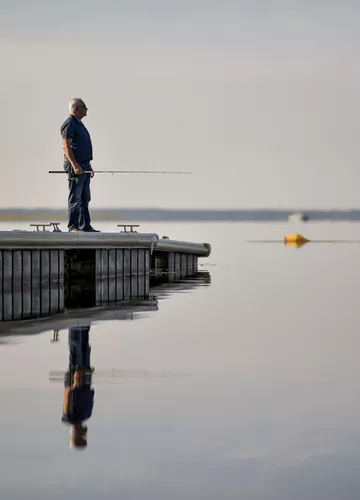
168,283
130,311
160,286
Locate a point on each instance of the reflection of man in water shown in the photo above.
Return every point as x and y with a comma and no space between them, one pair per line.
78,395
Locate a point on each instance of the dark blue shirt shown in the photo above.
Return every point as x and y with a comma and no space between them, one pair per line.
82,405
82,398
81,144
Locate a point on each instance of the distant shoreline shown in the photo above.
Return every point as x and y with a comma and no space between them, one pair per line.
120,215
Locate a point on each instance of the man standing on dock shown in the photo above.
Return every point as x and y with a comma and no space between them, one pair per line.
78,154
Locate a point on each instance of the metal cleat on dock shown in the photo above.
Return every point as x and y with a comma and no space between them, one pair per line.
54,225
38,226
128,228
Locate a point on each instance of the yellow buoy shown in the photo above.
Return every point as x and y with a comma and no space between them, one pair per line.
295,238
298,244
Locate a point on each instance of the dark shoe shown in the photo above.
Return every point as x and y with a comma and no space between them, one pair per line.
91,230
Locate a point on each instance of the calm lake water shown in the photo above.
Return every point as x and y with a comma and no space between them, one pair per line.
245,388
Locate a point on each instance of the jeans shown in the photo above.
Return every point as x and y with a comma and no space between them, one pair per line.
79,348
78,200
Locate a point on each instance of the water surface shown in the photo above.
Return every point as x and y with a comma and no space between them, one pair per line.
244,388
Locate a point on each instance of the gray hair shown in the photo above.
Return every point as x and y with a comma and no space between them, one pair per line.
74,103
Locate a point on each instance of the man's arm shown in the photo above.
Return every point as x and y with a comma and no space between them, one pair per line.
68,401
70,156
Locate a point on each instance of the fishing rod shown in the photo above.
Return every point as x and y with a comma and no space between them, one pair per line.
120,172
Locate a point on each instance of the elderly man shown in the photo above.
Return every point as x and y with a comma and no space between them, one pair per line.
78,154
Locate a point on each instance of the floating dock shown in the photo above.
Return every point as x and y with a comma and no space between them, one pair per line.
44,272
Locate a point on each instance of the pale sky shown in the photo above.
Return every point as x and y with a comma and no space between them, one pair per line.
259,99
